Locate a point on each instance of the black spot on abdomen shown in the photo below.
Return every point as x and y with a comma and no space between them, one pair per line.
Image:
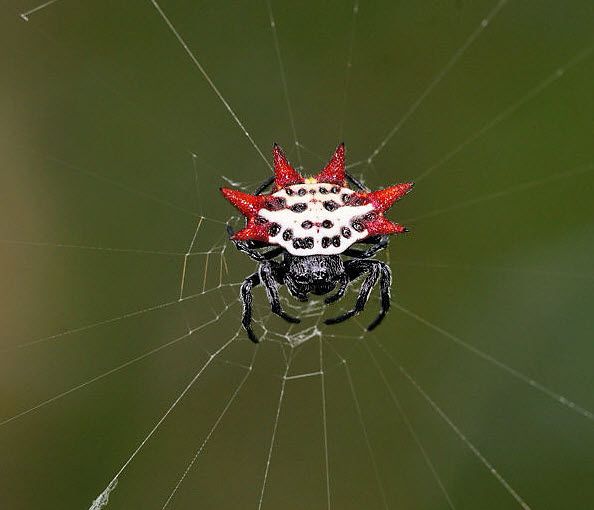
299,207
274,229
303,243
358,226
275,204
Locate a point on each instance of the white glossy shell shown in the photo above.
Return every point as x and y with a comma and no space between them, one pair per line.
316,213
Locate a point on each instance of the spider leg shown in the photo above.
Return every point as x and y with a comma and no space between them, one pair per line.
302,297
247,299
379,245
344,283
264,184
354,269
249,248
385,284
268,274
356,182
376,270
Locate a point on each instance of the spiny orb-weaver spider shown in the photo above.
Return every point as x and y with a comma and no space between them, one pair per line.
312,222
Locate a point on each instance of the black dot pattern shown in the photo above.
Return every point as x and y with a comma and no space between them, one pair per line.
305,243
275,203
358,226
314,218
353,200
274,229
299,207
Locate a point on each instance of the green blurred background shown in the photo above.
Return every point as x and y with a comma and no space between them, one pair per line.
105,122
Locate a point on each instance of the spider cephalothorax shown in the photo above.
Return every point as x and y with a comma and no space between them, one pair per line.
311,222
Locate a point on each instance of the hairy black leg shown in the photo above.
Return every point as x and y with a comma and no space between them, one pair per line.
385,285
380,244
264,185
355,268
249,249
270,281
247,299
344,283
356,182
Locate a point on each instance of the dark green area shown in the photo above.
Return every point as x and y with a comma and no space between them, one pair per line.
101,114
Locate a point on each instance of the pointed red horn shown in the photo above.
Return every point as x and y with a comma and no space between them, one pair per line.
383,199
248,205
381,225
333,172
284,173
252,232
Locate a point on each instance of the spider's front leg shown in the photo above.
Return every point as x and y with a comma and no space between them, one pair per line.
379,244
376,270
270,274
267,276
343,284
247,299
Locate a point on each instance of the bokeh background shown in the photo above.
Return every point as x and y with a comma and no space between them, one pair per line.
111,138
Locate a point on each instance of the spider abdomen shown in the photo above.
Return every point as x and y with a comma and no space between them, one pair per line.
316,219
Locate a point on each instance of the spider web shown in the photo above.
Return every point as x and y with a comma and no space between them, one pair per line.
125,367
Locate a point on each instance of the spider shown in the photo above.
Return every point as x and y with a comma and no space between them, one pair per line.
312,224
